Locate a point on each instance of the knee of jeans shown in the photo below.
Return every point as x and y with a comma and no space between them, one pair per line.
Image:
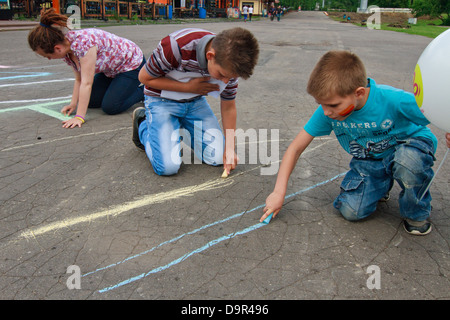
167,170
162,167
409,178
410,162
348,212
214,160
213,155
111,110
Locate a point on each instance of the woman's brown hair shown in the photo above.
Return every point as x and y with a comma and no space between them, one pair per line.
48,33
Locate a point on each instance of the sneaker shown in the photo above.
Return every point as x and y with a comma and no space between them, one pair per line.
138,117
418,228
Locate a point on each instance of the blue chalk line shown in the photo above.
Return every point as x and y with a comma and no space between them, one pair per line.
203,248
24,75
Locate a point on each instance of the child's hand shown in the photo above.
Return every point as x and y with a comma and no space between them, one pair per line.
202,86
72,123
230,161
67,110
447,137
274,202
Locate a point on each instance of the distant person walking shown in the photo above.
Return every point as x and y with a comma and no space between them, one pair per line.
245,12
279,11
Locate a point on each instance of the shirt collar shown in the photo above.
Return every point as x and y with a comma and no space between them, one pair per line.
201,51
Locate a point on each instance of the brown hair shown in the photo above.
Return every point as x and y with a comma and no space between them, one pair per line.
46,35
337,73
236,50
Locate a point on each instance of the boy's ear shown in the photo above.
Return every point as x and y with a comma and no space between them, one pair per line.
211,54
360,92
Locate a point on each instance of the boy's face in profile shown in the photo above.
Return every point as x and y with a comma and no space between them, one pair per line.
339,108
216,71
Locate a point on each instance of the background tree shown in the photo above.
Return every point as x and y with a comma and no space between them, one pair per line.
434,8
347,5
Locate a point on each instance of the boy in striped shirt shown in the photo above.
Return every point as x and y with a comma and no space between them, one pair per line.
186,66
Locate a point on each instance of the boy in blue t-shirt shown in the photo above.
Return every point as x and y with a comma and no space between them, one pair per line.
381,127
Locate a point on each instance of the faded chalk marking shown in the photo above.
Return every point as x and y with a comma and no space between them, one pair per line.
38,67
37,100
49,112
41,108
34,83
206,246
22,75
64,138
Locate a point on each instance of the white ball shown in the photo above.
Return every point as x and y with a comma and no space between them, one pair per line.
432,81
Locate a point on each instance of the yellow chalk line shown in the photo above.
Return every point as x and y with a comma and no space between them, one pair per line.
144,201
116,210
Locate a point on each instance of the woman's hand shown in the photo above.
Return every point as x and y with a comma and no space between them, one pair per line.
72,123
67,110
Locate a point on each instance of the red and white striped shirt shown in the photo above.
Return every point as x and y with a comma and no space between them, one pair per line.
184,51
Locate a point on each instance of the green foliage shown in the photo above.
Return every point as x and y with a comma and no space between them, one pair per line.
346,5
446,21
424,27
434,8
391,3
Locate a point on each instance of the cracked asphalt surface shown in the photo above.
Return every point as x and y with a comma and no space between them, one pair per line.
88,198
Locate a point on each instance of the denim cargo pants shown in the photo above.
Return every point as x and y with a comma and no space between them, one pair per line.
370,180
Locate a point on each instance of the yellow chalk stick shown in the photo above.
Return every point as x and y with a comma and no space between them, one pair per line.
225,173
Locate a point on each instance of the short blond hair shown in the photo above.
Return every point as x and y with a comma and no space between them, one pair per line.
337,73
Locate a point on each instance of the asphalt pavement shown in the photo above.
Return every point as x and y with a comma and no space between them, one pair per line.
83,215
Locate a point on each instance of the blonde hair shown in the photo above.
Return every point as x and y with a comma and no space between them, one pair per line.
48,32
337,73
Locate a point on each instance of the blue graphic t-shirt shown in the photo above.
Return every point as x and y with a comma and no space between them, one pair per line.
390,115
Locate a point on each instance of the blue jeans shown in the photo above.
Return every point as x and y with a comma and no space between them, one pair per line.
115,95
169,122
369,180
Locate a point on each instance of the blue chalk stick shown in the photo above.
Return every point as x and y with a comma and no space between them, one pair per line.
267,220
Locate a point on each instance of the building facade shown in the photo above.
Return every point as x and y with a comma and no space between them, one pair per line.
104,9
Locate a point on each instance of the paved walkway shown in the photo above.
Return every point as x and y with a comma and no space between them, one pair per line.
87,201
12,25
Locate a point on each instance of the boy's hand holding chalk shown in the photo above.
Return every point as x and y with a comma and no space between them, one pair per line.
230,160
267,220
267,216
225,173
274,202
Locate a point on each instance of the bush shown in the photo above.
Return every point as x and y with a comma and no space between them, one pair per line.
446,22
